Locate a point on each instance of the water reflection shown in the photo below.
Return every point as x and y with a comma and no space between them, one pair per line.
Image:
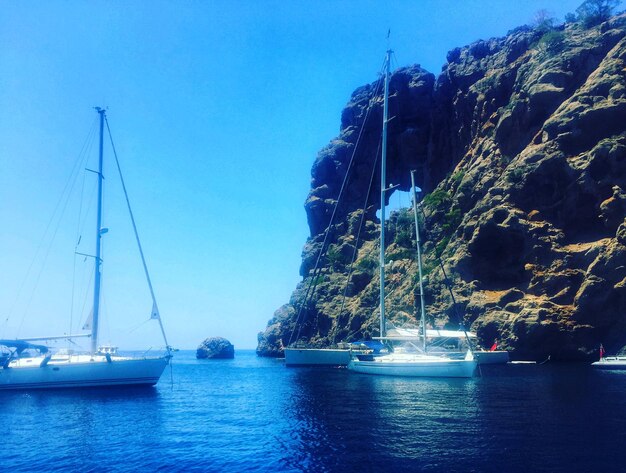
559,412
346,420
89,424
512,418
255,414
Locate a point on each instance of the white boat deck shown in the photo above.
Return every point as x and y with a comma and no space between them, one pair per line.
611,363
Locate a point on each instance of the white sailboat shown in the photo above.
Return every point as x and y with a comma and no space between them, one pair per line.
617,362
26,365
611,363
420,363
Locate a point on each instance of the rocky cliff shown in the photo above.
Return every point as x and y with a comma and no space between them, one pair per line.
520,147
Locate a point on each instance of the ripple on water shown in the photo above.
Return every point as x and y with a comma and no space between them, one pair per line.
252,414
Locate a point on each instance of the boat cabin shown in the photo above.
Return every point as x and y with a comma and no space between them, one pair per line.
107,350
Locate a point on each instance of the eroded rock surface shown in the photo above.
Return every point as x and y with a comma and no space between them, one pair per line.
215,348
520,144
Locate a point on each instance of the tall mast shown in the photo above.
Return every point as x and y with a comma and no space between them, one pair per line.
383,184
419,261
98,263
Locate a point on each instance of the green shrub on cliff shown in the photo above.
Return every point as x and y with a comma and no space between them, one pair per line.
441,246
399,253
334,257
457,177
437,199
428,265
319,279
451,221
516,174
404,237
593,12
367,265
552,41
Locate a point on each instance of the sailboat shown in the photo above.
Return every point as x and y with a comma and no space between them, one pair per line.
397,363
28,365
617,362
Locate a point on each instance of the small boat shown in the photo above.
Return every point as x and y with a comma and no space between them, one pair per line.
419,363
338,356
295,356
28,365
487,357
610,362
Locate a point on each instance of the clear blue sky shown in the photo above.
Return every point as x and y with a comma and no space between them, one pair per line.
218,109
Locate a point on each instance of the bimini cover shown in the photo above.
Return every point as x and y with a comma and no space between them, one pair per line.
21,345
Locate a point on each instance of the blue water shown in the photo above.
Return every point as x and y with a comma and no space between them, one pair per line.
254,414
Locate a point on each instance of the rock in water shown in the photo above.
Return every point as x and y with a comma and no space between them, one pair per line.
215,348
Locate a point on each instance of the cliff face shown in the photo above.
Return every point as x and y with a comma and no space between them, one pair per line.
520,145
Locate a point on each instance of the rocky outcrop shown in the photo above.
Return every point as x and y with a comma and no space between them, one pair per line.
215,348
520,145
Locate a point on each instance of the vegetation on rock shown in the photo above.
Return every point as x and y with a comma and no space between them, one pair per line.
594,12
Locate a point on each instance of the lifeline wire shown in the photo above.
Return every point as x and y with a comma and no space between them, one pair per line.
313,282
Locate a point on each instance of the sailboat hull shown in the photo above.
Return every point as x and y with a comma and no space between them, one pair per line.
80,372
492,357
316,357
428,367
611,363
482,357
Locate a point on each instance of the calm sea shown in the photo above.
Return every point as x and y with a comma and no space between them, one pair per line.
254,414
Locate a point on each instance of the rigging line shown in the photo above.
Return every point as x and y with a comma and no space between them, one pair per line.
82,191
155,308
62,203
73,291
448,284
92,197
91,274
138,326
360,227
78,236
375,309
105,316
77,240
394,60
80,158
323,249
313,281
358,237
318,268
374,169
354,332
80,210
